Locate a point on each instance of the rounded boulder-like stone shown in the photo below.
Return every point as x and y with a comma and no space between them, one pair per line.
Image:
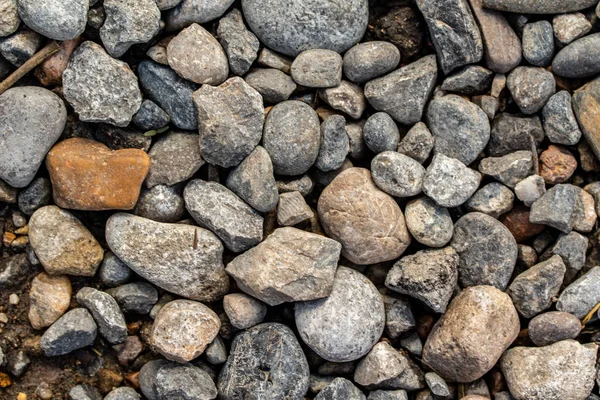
552,327
397,174
317,68
370,60
429,223
55,19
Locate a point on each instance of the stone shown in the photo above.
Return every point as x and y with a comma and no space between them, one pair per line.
334,27
122,393
557,165
358,149
429,276
460,128
270,59
403,93
437,385
87,175
292,209
585,104
564,370
489,104
346,97
150,116
381,133
487,250
49,299
147,377
470,80
9,17
184,381
137,297
216,352
397,175
579,59
494,199
572,248
530,189
274,273
8,194
338,389
317,68
554,326
581,296
198,57
370,60
120,138
556,207
366,221
20,47
14,270
218,209
161,203
240,45
273,85
399,317
304,185
388,395
113,272
531,88
412,343
84,392
62,244
172,93
560,124
428,223
74,330
175,157
335,144
509,169
585,212
417,143
195,11
106,313
35,196
359,327
517,222
127,23
474,350
538,43
449,182
58,20
568,27
512,133
230,119
33,119
265,359
292,137
533,290
101,88
243,311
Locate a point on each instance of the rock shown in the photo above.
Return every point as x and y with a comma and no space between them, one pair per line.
197,56
74,330
538,43
564,370
184,381
381,133
582,295
84,392
346,97
270,59
8,194
217,208
517,222
292,209
557,165
556,207
494,199
568,27
453,31
358,148
585,105
579,59
460,128
334,27
161,203
338,389
49,298
175,157
335,144
474,350
9,17
552,327
511,133
560,125
317,68
273,85
292,137
402,26
58,20
304,185
571,248
33,119
113,272
530,189
403,93
172,93
397,174
122,393
487,250
119,139
86,175
429,276
366,221
62,244
387,395
370,60
538,7
359,327
509,169
14,270
216,352
50,71
428,223
127,23
531,88
399,317
449,182
243,311
470,80
230,119
106,313
108,92
489,104
437,385
265,359
240,45
147,377
137,297
35,196
417,143
195,11
274,273
150,116
183,329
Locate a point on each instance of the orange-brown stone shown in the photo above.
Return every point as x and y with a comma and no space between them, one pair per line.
557,165
517,222
87,175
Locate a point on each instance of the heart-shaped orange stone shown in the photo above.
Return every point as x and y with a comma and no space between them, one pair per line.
87,175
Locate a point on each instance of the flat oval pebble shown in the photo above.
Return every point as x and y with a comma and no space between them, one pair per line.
552,327
55,19
369,60
429,223
397,174
49,299
317,68
381,133
272,84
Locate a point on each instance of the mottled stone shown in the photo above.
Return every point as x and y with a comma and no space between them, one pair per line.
554,326
381,133
338,389
530,189
346,97
511,133
509,169
273,85
49,298
15,269
358,148
304,185
174,158
538,43
568,27
317,68
335,144
58,20
579,59
150,116
106,313
449,182
399,317
136,297
586,102
470,80
417,143
557,165
557,207
428,223
560,125
74,330
9,17
183,381
582,295
240,45
243,311
270,59
370,60
538,7
531,88
20,46
195,11
122,393
292,209
113,272
494,199
397,174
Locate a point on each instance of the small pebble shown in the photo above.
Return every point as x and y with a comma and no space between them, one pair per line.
531,88
161,203
240,45
429,223
568,27
317,68
346,97
273,85
554,326
113,272
35,196
449,182
380,133
511,133
557,165
175,380
137,297
397,174
9,17
340,388
335,144
538,43
560,124
20,47
417,143
106,313
74,330
370,60
470,80
509,169
292,209
493,199
271,59
244,311
530,189
150,116
49,299
582,295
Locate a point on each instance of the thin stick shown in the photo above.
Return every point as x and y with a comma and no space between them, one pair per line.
589,315
30,64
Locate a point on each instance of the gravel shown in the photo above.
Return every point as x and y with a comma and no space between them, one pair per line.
381,133
55,19
367,61
397,174
240,45
554,326
538,43
106,313
335,144
449,182
317,68
579,59
74,330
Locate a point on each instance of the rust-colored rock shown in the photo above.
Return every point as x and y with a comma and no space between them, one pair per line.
49,72
517,222
87,175
49,298
557,165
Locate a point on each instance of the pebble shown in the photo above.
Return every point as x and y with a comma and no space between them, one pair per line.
122,393
370,60
218,209
517,222
273,85
172,93
129,350
530,189
9,17
113,272
572,248
449,182
55,19
14,270
240,45
137,297
292,209
175,157
243,311
563,370
580,59
358,149
150,116
557,165
538,7
399,317
428,223
108,92
538,43
403,93
106,313
195,11
511,133
334,27
182,330
74,330
560,124
533,290
292,137
531,88
335,144
397,175
412,343
50,71
554,326
346,97
270,59
585,213
556,207
274,273
474,351
470,80
183,259
487,250
585,104
381,133
184,381
35,196
437,385
582,295
84,392
509,169
417,143
340,389
265,359
13,299
161,203
317,68
49,299
20,47
366,221
8,194
494,199
388,395
568,27
216,352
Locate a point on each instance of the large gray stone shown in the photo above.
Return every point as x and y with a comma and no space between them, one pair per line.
74,330
184,381
580,59
560,124
582,295
55,19
538,6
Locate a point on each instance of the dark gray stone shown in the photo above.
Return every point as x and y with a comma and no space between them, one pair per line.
14,270
347,97
580,59
122,393
509,169
335,143
531,88
147,377
511,133
412,343
150,116
399,317
554,326
340,389
216,352
74,330
18,362
538,6
370,60
397,174
84,392
174,158
560,124
20,46
113,272
381,133
122,138
317,68
37,194
470,80
417,143
449,182
428,223
160,203
137,297
388,395
557,207
582,295
55,19
106,313
437,384
183,381
571,248
272,84
195,11
240,45
494,199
